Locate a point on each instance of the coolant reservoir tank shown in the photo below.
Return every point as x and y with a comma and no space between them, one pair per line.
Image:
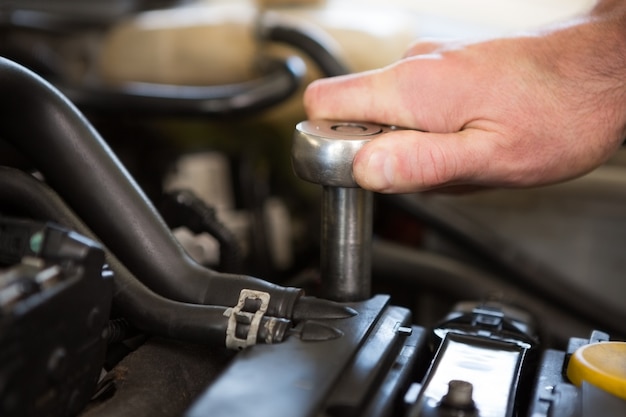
215,43
195,45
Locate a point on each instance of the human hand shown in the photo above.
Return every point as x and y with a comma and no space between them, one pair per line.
511,112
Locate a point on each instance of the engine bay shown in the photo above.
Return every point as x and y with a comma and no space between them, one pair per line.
180,242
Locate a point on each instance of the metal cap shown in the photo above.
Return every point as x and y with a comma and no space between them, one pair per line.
323,150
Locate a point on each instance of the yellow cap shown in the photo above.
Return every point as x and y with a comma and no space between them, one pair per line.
602,365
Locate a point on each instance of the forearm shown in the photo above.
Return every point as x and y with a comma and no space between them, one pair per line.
588,60
609,20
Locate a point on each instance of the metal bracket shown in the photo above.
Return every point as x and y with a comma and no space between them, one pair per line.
259,301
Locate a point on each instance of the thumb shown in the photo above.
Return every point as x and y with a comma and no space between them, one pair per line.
409,161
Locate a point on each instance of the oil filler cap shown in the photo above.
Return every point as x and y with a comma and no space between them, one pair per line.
602,365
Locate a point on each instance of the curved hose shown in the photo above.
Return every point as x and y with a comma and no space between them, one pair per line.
47,128
311,40
280,80
62,16
516,265
412,267
147,311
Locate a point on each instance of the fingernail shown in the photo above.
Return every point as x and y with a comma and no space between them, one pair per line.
380,170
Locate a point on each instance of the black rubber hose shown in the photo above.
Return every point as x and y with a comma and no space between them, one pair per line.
47,128
145,310
118,330
516,265
280,79
311,40
67,17
415,268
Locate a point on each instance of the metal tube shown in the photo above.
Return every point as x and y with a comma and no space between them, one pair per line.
346,243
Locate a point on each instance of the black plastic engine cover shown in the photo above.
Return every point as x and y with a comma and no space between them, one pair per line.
364,371
54,305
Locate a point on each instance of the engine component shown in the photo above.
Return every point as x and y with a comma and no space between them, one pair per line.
147,311
62,15
360,367
81,167
527,272
419,269
484,357
322,153
279,81
317,44
184,208
360,358
570,385
55,301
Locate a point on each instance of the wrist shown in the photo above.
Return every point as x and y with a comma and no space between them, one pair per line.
591,53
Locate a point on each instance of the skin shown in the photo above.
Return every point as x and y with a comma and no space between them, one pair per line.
520,111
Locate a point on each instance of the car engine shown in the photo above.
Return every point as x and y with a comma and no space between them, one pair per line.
177,239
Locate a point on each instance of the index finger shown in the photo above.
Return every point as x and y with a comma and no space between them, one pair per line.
421,92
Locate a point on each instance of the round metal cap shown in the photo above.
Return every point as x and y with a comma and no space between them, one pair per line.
323,150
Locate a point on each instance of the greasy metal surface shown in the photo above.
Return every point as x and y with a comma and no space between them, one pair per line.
346,243
322,153
323,150
159,379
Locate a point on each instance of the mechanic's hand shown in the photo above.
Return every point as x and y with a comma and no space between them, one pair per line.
509,112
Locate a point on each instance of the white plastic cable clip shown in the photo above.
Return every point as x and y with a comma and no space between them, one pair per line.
239,315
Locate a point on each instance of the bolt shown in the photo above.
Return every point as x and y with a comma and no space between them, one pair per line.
459,395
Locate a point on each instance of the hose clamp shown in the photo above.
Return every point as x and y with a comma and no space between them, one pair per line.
249,311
